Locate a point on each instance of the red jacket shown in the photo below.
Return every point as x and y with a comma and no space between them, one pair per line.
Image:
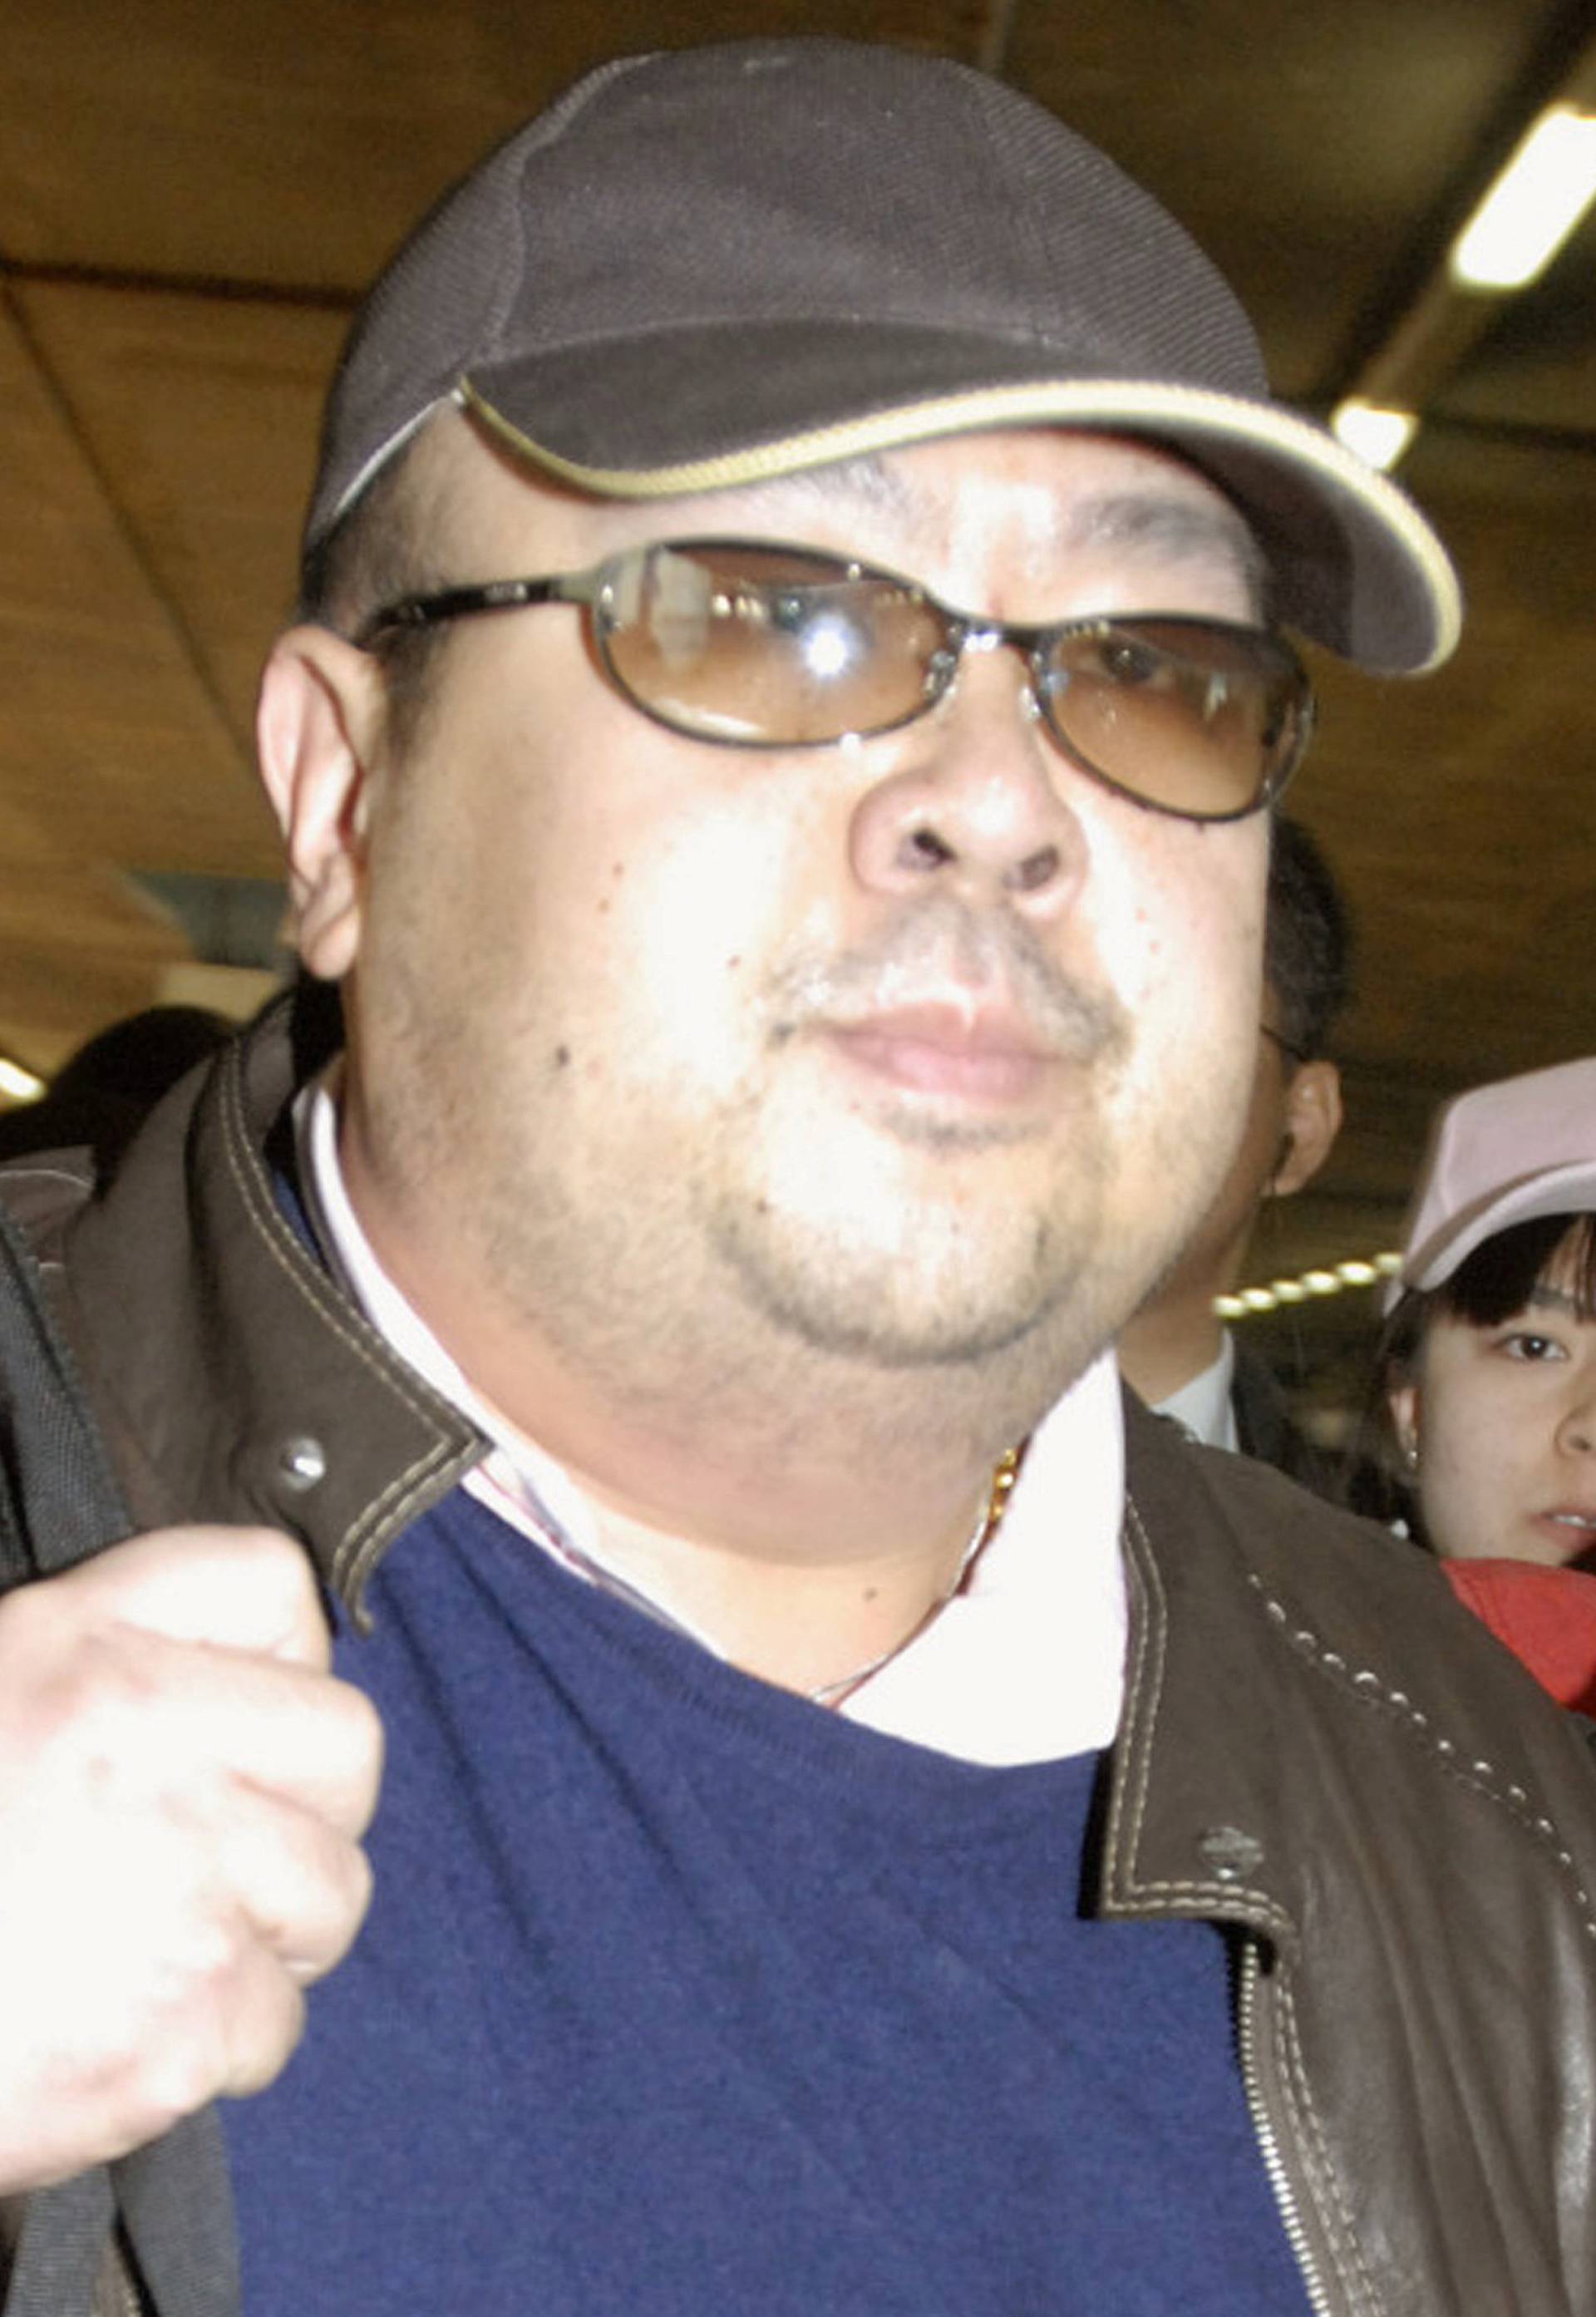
1546,1617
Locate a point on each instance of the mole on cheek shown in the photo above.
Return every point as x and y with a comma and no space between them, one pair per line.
562,1058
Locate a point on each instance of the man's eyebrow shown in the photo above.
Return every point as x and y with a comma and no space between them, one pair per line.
1160,523
1187,529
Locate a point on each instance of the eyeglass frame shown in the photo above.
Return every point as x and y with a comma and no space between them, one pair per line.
589,587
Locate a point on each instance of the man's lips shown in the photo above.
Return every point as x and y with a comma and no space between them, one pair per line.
987,1055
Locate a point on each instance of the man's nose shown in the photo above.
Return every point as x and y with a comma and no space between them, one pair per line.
977,797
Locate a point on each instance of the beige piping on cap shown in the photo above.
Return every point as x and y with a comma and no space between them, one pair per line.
1110,403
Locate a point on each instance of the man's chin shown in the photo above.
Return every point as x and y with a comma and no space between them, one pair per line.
1014,1304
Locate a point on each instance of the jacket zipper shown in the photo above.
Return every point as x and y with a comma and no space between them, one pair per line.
1269,2141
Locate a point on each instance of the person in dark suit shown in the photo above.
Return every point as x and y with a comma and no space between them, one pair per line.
1176,1351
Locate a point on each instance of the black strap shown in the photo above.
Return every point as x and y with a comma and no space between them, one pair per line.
59,1503
176,2204
61,1498
63,2241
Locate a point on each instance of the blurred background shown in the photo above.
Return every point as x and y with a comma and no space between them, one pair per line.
193,192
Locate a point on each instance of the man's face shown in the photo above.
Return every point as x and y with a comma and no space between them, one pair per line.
692,1062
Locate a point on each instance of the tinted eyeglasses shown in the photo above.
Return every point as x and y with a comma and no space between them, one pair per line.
756,645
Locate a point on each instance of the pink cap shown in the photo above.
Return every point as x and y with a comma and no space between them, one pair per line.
1500,1155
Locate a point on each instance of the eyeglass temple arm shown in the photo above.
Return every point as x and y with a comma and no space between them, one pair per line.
465,603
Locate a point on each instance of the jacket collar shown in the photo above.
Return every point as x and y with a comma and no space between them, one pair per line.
187,1272
1192,1822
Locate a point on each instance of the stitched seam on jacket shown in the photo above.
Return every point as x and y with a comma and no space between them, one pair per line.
272,1234
1144,1674
17,1169
1231,1901
409,1483
1367,1687
1319,2166
356,1552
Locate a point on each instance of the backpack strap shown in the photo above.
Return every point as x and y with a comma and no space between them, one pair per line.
59,1504
168,2206
59,1500
65,2233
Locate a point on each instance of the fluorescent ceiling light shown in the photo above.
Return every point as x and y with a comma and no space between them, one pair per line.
1380,436
1534,205
21,1085
1356,1271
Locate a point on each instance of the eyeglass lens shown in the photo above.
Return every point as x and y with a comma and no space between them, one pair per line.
780,647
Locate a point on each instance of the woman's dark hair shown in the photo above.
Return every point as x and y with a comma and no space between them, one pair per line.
1488,1286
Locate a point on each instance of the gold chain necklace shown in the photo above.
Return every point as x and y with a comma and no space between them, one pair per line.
1004,1473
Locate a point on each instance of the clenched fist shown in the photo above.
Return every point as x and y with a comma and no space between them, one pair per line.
183,1786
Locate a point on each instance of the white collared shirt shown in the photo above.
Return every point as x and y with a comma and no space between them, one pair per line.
1203,1406
1024,1664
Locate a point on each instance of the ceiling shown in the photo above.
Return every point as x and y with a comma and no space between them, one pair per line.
192,192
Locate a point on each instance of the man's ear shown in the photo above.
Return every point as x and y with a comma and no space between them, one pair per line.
1313,1122
316,731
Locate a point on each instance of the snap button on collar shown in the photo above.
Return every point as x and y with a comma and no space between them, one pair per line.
301,1462
1229,1854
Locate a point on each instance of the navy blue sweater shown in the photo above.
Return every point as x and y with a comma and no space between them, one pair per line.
680,1998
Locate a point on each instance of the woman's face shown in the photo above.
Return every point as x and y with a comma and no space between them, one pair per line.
1504,1421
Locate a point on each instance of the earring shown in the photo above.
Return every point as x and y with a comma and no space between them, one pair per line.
1409,1455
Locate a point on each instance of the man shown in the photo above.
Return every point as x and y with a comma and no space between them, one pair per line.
834,1831
1176,1351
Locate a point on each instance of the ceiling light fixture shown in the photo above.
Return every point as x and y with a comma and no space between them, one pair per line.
1533,206
18,1084
1380,436
1546,184
1354,1271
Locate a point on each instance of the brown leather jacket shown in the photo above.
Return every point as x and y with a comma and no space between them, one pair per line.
1320,1748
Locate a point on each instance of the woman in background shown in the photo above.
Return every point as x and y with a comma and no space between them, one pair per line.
1484,1416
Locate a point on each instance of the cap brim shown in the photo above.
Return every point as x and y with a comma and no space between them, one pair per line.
1568,1190
1355,565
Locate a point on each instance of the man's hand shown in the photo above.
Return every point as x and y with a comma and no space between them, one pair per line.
182,1790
